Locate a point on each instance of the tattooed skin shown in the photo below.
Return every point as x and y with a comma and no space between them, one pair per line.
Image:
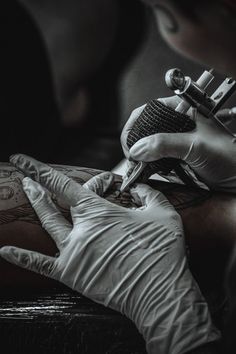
208,221
14,204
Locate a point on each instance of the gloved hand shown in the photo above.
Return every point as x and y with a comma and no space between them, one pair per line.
208,150
132,260
130,163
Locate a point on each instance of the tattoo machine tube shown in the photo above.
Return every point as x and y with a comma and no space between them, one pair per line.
197,89
158,118
194,93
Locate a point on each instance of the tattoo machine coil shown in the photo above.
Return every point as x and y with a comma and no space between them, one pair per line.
158,118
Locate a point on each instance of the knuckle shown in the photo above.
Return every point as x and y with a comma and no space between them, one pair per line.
46,267
96,185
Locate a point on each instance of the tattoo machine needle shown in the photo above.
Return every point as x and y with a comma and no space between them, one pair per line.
159,118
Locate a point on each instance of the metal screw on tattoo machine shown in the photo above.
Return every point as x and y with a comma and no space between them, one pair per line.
159,118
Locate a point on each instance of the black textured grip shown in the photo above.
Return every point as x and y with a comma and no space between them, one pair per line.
158,118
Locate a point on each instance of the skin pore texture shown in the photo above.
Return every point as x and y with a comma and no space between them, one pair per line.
208,219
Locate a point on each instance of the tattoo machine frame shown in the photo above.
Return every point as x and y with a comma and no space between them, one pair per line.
158,118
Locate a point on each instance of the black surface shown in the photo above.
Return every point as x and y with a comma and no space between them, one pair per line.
64,323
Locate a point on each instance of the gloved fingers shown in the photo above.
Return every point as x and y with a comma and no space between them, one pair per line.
53,180
34,261
51,218
157,146
100,184
145,195
171,102
128,126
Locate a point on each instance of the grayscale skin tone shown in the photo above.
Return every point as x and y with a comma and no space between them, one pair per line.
209,40
18,219
206,35
173,29
129,259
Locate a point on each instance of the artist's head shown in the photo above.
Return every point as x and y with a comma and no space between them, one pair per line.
204,30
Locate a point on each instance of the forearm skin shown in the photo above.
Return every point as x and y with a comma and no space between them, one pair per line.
208,221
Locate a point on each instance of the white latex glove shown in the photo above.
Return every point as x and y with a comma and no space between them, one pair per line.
130,164
132,260
208,150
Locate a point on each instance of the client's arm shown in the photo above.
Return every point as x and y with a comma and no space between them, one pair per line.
132,260
208,221
20,226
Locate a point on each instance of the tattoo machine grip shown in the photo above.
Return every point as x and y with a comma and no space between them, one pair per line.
158,118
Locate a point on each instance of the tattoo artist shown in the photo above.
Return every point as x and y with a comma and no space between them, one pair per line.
205,32
134,260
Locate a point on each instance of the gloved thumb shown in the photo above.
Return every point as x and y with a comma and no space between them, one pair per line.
100,184
157,146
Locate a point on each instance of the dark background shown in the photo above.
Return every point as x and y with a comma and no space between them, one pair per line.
72,73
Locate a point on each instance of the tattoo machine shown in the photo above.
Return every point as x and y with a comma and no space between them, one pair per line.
158,118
